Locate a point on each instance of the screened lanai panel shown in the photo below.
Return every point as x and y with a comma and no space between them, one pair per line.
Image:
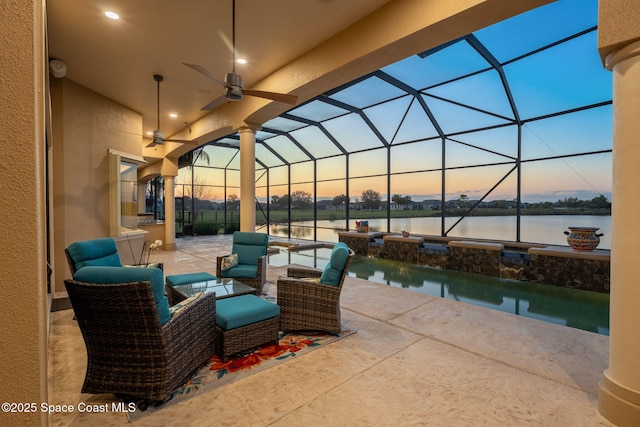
353,133
454,118
588,130
286,148
302,172
475,182
402,120
416,156
368,92
458,154
261,186
332,168
483,91
283,124
566,76
317,111
539,27
366,163
583,177
360,188
455,61
503,140
388,116
279,175
218,156
329,191
315,142
266,156
420,186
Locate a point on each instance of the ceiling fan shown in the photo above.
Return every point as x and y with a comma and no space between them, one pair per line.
158,135
233,82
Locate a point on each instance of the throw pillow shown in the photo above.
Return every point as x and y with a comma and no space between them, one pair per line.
179,307
229,261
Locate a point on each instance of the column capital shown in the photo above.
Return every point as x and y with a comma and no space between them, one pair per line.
621,54
249,127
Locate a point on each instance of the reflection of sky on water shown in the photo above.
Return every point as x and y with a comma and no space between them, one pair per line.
575,308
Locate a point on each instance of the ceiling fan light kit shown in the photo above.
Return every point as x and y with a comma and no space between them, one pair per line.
158,135
233,82
234,86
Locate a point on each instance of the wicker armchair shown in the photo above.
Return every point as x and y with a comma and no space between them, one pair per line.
128,351
252,259
308,304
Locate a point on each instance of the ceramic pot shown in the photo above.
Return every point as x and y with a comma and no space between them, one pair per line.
583,238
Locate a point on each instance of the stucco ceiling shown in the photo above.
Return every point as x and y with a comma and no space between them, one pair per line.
119,58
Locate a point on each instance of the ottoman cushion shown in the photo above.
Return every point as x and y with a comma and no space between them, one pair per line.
243,310
185,279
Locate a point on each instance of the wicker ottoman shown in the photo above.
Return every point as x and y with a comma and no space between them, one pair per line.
243,323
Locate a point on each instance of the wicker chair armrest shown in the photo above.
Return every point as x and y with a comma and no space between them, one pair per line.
303,272
194,325
304,289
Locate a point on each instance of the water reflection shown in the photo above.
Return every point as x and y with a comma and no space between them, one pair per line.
571,307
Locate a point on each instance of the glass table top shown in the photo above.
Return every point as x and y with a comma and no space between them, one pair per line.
224,288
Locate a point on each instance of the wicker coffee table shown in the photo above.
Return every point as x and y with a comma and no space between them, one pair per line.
224,288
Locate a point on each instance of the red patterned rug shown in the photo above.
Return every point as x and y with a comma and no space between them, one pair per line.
216,373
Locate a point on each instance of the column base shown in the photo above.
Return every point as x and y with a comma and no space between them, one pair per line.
170,246
617,404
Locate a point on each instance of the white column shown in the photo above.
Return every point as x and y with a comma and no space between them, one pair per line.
619,395
169,214
247,178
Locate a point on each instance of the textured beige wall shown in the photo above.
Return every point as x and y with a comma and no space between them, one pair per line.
23,293
618,24
86,124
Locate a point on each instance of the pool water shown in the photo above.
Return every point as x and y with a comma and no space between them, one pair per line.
575,308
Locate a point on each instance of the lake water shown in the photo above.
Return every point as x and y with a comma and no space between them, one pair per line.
545,229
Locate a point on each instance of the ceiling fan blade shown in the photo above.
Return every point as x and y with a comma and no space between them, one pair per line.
215,103
280,97
183,141
151,144
207,73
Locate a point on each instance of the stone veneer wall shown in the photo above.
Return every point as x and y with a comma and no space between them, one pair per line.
475,257
564,267
555,265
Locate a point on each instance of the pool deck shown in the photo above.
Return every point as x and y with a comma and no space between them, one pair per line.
415,360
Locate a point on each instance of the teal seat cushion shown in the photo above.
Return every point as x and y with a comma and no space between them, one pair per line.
98,252
333,270
106,275
187,278
232,313
249,246
242,270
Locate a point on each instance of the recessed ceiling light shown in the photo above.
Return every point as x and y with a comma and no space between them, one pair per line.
112,15
149,133
241,61
174,115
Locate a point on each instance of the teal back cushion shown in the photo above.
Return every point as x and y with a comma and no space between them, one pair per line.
249,246
333,270
98,252
107,275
